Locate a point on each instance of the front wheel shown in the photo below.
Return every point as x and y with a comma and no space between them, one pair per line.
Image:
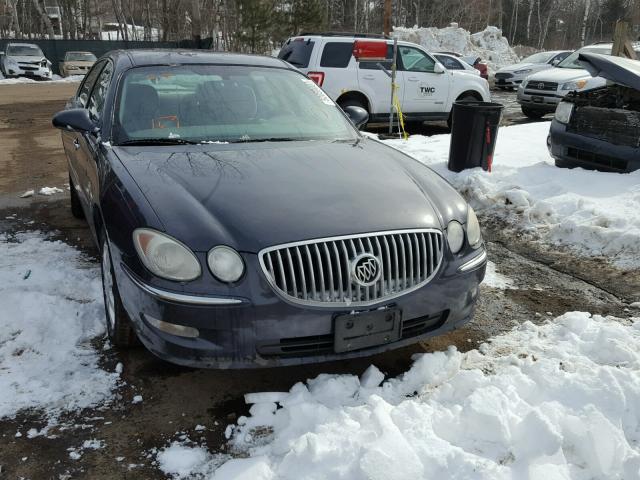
532,113
119,327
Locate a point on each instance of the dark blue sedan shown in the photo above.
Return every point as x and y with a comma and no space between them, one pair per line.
243,220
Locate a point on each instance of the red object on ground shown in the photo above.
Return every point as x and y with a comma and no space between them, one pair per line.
369,50
482,68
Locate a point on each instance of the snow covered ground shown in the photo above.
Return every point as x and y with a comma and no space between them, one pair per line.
488,44
54,79
557,401
592,213
51,308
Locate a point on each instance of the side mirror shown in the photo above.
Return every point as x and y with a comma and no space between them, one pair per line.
76,119
438,68
358,115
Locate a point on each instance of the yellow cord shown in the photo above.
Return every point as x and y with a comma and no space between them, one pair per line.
396,104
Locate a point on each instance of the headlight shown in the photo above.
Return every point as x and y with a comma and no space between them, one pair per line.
225,263
526,70
166,257
43,63
575,85
563,112
455,236
12,62
474,235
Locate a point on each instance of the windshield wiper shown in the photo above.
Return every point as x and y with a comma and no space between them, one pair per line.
157,141
269,139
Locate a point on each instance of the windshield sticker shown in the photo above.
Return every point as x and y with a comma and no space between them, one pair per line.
425,90
324,98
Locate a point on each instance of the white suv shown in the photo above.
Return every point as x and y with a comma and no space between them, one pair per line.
427,89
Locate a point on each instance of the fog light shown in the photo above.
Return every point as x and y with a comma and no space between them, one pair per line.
172,328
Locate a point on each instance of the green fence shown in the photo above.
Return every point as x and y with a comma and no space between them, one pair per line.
54,50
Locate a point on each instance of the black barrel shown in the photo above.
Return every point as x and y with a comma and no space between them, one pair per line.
473,134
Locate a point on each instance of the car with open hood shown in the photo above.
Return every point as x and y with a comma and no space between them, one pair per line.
541,92
600,128
511,76
24,60
242,219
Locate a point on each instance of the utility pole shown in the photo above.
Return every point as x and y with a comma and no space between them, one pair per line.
387,17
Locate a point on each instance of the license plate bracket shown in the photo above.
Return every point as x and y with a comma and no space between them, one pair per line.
367,329
537,99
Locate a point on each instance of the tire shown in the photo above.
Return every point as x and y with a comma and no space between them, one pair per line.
76,206
532,113
119,329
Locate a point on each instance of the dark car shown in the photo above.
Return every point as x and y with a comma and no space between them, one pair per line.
600,128
243,220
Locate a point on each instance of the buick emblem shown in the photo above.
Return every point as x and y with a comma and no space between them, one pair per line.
365,270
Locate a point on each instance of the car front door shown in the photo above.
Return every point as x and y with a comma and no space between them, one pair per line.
425,90
90,148
376,84
72,141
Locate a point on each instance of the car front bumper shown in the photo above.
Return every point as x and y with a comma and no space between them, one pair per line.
590,152
19,71
545,101
266,331
513,82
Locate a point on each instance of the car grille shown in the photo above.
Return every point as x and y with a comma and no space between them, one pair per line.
319,272
597,160
533,85
323,344
504,75
617,126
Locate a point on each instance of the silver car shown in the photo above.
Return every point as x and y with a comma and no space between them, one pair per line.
25,60
513,75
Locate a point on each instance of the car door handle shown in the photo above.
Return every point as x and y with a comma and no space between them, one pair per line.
369,77
76,143
413,79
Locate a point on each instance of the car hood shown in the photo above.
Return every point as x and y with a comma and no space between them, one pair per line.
559,75
617,69
78,63
252,196
26,58
520,66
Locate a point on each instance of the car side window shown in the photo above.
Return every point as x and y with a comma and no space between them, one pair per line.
336,54
87,84
560,56
99,93
414,60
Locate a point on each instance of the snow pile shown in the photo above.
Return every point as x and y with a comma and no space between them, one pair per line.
593,213
494,279
51,300
556,401
489,44
182,460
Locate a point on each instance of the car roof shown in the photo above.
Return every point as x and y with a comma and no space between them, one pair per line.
142,57
22,44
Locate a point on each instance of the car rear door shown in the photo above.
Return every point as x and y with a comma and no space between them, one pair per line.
376,84
425,90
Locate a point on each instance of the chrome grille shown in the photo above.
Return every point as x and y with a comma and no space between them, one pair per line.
319,272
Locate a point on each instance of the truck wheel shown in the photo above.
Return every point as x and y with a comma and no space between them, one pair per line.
76,206
119,327
533,113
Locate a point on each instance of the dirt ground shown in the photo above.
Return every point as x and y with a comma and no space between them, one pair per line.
176,399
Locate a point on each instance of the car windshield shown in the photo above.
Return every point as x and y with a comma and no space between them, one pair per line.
80,57
222,103
572,60
540,57
24,51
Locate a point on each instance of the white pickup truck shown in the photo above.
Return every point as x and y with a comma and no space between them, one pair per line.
426,89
